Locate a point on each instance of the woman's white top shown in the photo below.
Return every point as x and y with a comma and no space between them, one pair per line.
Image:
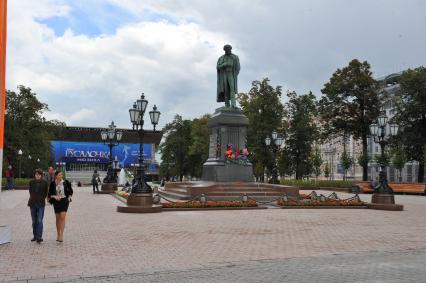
60,190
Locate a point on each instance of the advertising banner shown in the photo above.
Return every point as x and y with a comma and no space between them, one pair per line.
90,152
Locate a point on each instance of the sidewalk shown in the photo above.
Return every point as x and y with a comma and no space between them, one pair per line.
100,241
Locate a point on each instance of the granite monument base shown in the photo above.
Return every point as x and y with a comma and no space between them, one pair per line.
384,202
222,172
227,129
140,203
108,188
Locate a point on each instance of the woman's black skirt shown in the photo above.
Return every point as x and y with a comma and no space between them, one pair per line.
61,205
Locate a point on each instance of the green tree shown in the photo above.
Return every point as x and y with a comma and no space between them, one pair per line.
399,159
28,130
346,162
410,104
326,171
302,133
199,147
316,161
262,106
350,104
175,147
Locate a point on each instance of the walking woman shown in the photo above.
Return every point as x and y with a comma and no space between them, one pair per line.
60,193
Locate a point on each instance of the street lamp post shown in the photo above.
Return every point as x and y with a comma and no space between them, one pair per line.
140,198
111,137
278,141
381,135
19,161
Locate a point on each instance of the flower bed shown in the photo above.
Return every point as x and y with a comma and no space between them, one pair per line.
122,194
313,200
322,203
199,204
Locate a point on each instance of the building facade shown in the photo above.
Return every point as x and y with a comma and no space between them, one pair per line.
80,151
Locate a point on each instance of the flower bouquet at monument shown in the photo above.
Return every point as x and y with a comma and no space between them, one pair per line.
236,156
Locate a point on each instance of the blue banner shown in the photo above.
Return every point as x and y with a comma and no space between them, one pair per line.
91,152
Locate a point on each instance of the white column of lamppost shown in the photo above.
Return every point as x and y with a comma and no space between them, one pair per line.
19,162
136,117
278,141
111,137
29,158
381,136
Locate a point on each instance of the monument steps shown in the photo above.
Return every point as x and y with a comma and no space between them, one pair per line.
226,191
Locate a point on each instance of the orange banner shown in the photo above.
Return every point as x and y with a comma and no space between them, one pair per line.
3,31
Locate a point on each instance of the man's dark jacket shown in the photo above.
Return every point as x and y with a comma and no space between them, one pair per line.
38,193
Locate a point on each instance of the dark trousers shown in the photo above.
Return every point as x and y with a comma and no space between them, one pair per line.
95,185
10,184
37,214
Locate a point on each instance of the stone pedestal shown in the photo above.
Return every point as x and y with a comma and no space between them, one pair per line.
140,203
5,234
108,188
226,126
384,202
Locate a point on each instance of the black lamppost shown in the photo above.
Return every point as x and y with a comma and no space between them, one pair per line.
381,135
278,141
19,161
136,117
111,137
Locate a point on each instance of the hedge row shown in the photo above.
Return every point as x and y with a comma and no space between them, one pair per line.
318,183
18,182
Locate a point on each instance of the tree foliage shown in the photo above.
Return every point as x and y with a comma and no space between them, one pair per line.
346,161
316,161
175,148
262,106
399,158
410,104
26,129
184,148
350,103
301,134
199,147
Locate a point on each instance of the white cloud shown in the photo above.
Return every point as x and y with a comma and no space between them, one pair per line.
169,62
171,55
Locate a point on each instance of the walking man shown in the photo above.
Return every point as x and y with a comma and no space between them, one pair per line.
9,178
95,178
50,175
38,193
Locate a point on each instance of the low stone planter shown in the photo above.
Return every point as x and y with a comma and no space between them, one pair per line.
5,234
214,208
324,207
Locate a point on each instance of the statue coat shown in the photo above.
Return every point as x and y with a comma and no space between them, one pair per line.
228,68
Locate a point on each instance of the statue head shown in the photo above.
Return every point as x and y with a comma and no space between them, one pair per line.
227,49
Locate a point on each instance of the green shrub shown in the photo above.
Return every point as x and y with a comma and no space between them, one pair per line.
318,183
18,182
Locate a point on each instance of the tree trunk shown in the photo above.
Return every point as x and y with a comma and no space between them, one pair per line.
365,153
420,176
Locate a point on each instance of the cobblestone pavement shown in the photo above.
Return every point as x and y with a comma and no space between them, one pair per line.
100,244
365,267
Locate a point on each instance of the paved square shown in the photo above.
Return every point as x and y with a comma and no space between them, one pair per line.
255,245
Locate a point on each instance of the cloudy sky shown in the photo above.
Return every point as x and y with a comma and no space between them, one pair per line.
90,59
